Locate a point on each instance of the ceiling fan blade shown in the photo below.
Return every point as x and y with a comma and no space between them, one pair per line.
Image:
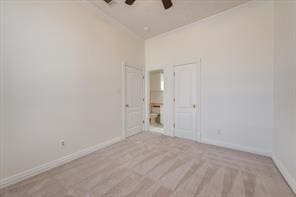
130,2
107,1
167,4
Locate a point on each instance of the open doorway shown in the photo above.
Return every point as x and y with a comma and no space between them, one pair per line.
156,101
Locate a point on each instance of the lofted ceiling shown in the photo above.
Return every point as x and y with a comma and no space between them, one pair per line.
151,14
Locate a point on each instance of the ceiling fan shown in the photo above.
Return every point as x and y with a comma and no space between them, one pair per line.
166,3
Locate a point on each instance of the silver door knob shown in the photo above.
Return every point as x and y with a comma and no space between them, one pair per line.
126,105
194,106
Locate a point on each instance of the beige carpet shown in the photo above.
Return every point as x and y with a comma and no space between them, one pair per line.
150,164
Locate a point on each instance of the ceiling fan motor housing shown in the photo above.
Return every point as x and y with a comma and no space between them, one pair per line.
166,3
107,1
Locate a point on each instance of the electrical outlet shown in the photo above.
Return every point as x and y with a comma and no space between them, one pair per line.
62,142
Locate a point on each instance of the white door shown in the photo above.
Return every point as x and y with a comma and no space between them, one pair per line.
134,102
185,101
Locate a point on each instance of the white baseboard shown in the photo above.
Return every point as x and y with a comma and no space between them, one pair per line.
284,171
235,147
47,166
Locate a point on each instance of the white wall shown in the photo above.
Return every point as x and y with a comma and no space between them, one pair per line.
236,48
62,80
284,143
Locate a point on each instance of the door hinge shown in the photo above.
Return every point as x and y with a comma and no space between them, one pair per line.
143,121
174,73
143,99
174,125
174,100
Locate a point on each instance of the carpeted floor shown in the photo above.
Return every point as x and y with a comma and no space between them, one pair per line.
150,164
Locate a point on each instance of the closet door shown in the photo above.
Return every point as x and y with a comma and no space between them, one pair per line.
134,103
185,101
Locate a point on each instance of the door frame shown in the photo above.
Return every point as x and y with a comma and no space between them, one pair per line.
147,96
198,97
123,97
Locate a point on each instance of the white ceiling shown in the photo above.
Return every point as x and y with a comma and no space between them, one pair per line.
151,13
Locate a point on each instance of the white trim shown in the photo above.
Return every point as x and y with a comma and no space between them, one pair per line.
133,67
155,67
284,171
235,147
186,63
2,76
147,100
52,164
123,133
199,97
